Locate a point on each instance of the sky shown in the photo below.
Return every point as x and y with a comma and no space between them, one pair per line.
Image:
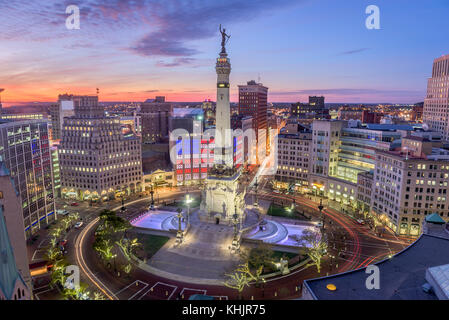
133,50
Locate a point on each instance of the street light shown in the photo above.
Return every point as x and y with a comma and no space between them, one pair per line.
152,198
256,185
188,201
320,207
179,234
235,242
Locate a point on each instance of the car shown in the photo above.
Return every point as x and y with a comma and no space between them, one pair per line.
276,191
62,212
361,222
74,204
78,224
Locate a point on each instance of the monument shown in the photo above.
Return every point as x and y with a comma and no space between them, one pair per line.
223,195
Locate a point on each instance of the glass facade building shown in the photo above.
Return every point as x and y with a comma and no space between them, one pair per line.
24,148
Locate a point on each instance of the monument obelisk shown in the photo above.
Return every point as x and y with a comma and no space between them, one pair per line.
222,196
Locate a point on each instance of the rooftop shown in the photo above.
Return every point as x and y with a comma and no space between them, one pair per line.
401,277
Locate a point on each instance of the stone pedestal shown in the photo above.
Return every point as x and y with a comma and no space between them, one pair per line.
222,198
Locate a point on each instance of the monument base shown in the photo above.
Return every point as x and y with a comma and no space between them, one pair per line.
222,198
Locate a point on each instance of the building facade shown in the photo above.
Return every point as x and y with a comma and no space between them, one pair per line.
293,157
253,101
11,205
155,116
436,103
409,184
25,150
97,161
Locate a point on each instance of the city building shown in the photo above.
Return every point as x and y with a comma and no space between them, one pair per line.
244,143
371,117
436,103
409,184
417,112
97,161
293,157
155,116
12,285
11,216
57,112
56,171
194,152
253,102
25,150
209,113
159,179
307,112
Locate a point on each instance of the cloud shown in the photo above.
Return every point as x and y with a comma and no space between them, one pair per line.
353,51
175,63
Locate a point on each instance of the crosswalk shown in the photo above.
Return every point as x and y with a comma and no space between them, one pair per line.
140,290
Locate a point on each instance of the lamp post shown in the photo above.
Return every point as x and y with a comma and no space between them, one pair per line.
152,198
320,207
188,201
256,185
123,204
235,242
179,234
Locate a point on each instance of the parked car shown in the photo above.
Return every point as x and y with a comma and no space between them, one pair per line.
361,222
78,224
62,212
74,204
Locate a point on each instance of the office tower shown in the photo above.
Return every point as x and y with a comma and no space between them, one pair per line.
155,115
97,162
11,207
24,148
436,103
57,112
253,102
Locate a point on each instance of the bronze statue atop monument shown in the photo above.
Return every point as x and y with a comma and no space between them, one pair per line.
224,39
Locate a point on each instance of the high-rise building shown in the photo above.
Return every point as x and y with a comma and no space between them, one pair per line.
436,103
253,99
24,148
97,161
155,115
57,112
307,112
11,207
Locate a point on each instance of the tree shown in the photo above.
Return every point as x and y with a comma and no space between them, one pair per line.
237,280
314,246
256,276
105,248
262,255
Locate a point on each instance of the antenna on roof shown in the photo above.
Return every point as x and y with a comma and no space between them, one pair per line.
258,77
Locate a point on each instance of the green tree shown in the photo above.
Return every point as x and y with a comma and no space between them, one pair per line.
314,246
